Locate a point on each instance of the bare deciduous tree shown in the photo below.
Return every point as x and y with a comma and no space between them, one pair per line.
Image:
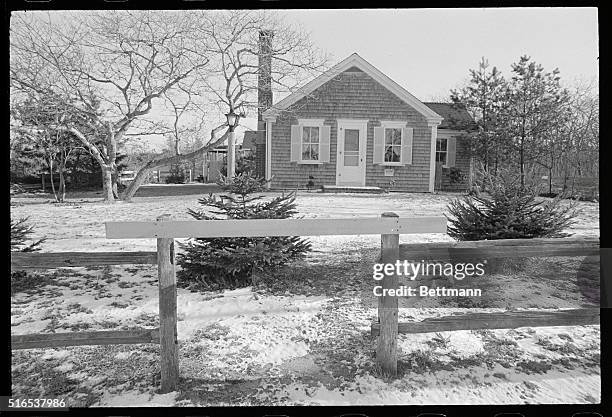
112,66
580,136
107,66
235,53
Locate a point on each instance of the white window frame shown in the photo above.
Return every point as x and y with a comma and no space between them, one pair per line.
302,123
393,125
445,164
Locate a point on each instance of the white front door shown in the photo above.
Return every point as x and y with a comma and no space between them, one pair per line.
351,158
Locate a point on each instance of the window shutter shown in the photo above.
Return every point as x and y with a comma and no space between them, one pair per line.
452,151
407,135
296,143
379,145
324,144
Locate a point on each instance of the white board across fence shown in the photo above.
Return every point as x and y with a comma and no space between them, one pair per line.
274,227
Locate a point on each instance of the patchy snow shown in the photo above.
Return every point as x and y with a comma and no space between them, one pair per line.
137,399
64,367
55,354
243,347
367,390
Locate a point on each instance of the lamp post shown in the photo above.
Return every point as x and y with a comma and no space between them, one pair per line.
232,122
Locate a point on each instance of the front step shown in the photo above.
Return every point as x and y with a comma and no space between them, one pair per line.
351,189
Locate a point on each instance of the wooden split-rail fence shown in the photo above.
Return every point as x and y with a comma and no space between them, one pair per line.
389,226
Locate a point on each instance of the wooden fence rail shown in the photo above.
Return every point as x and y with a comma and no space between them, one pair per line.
505,248
501,320
275,227
110,337
50,260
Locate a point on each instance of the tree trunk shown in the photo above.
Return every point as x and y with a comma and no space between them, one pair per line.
62,184
115,176
106,161
141,175
51,176
76,178
522,162
107,184
550,173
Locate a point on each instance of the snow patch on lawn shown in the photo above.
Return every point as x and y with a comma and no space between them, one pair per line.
433,390
51,354
65,367
236,308
137,399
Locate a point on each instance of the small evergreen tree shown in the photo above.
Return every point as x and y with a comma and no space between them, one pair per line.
219,263
20,236
21,242
508,210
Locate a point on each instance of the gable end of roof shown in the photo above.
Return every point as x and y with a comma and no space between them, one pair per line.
352,63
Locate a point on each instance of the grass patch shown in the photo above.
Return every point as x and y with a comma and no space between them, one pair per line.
438,341
534,367
24,281
119,304
421,361
215,331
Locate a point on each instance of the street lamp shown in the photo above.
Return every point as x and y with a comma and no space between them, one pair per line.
232,122
232,119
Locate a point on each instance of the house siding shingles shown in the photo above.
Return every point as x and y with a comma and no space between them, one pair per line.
351,95
462,162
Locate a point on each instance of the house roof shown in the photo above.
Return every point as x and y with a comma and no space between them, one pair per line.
248,141
455,116
353,60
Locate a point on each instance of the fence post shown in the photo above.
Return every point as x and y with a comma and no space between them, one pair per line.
386,353
167,312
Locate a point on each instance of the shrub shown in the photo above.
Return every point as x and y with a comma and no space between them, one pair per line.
456,176
219,263
21,242
245,164
508,210
310,184
20,236
176,176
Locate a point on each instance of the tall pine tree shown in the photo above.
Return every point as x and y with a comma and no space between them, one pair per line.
533,103
483,96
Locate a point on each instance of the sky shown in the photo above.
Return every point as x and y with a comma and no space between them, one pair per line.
430,51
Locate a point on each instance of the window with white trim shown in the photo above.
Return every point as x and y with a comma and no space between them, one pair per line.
393,145
310,143
442,150
390,143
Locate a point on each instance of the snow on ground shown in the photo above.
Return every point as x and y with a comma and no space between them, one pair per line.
305,342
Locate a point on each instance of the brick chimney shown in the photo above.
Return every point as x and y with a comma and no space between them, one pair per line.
264,79
264,97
